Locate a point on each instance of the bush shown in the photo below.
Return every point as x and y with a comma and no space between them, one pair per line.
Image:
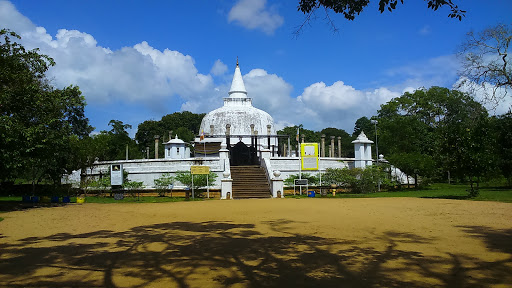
357,179
101,184
185,178
133,186
163,183
312,179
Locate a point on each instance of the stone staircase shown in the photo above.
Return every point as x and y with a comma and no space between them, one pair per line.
249,182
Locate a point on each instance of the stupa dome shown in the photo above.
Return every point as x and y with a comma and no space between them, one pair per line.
238,112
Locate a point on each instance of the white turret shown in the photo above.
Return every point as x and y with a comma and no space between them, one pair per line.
237,86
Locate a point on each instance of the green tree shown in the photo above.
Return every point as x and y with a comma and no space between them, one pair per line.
437,127
37,121
310,136
184,124
111,145
503,130
466,141
365,125
146,133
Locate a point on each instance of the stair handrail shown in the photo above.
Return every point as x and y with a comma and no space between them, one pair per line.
265,164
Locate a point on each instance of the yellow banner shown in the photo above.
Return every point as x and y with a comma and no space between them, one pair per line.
309,156
198,170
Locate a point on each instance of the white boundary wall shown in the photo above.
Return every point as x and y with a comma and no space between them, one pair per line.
147,170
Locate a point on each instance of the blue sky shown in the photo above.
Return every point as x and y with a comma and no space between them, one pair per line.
140,60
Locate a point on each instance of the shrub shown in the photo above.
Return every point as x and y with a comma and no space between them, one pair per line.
357,179
185,178
312,179
163,183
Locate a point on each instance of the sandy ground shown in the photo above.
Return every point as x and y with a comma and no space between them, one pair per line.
393,242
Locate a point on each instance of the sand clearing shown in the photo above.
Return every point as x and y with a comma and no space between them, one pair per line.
392,242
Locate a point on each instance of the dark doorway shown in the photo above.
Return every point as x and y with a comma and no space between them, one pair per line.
242,155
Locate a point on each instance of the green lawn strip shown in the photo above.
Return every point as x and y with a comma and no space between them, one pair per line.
441,191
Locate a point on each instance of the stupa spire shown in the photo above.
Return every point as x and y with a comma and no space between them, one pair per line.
237,86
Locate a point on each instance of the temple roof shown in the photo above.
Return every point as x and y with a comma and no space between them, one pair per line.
238,112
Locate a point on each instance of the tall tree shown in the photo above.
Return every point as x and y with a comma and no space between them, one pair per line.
503,131
37,121
437,127
486,62
466,141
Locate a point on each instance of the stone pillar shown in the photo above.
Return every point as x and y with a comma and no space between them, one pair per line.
147,152
339,146
302,138
228,136
268,133
330,151
322,146
256,139
226,186
277,185
284,150
332,146
156,146
212,130
252,129
224,157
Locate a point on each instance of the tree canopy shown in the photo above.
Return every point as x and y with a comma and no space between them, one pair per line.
437,128
184,124
351,8
37,121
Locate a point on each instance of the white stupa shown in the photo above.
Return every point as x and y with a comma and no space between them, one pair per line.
239,118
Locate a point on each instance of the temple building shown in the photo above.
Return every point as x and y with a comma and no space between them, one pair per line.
238,123
238,143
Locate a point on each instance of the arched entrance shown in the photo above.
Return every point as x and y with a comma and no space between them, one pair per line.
242,155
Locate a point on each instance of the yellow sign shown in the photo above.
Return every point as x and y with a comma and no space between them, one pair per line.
309,156
198,170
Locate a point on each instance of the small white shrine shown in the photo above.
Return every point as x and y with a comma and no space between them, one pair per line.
363,151
176,149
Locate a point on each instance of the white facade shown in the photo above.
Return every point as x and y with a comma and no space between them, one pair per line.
243,119
363,151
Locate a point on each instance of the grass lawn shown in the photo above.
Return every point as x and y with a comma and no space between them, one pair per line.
438,190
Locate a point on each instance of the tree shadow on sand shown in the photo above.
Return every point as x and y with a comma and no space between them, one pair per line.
225,253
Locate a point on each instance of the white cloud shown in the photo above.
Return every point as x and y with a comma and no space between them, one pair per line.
269,91
253,14
340,105
502,104
218,68
139,74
